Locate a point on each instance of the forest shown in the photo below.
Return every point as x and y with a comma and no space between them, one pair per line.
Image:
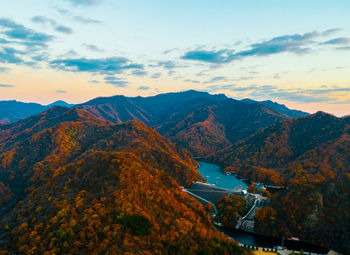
90,186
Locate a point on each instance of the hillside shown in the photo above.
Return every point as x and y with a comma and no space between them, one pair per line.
73,183
310,155
206,127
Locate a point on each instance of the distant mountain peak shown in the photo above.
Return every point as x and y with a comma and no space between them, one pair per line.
60,103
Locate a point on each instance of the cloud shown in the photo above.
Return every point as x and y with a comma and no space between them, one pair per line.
326,90
70,53
4,69
59,28
10,55
139,73
85,2
64,29
113,65
22,45
6,86
331,31
42,20
338,41
299,95
297,43
156,75
94,81
115,81
216,79
119,84
170,50
92,47
61,91
218,57
143,88
343,48
167,64
85,20
76,18
192,81
23,35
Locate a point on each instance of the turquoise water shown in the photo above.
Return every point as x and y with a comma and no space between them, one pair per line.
214,175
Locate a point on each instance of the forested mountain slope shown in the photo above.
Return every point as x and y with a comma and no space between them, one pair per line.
86,185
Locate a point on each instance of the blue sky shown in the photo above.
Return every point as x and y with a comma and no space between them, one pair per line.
292,52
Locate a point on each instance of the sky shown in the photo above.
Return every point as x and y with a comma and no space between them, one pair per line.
291,52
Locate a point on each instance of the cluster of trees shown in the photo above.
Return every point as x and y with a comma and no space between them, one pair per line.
231,208
252,188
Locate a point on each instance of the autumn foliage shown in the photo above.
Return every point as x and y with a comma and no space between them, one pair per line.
86,186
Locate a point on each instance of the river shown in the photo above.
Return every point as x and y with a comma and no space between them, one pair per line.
214,174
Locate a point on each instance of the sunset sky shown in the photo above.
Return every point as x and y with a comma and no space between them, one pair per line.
292,52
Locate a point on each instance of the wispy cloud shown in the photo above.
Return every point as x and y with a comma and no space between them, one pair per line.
85,2
4,69
10,55
61,91
297,43
331,31
116,81
85,20
338,41
299,95
217,57
22,45
156,75
77,18
23,35
167,64
92,47
47,21
192,81
113,65
139,73
143,88
64,29
6,86
343,48
216,79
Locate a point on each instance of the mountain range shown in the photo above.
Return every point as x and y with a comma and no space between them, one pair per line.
154,138
150,110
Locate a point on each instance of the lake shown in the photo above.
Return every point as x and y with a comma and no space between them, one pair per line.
214,174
